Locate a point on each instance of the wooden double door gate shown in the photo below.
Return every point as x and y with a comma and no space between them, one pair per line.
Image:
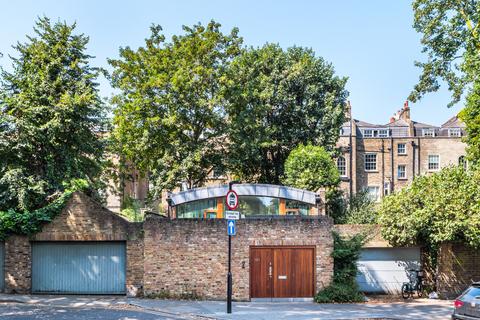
282,272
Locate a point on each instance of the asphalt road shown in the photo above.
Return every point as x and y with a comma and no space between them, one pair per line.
20,311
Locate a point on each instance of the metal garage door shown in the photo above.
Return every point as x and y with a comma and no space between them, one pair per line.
385,269
78,267
2,266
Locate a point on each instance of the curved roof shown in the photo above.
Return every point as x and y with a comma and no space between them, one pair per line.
244,189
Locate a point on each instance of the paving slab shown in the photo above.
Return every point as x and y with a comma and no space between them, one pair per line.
425,309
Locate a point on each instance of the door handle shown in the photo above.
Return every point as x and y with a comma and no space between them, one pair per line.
270,270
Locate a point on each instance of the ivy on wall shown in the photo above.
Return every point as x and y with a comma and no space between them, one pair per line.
31,222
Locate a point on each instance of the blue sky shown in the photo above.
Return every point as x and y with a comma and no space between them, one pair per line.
370,41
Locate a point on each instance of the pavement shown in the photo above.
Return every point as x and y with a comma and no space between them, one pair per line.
118,307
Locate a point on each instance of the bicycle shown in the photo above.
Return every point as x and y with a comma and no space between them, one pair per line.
415,284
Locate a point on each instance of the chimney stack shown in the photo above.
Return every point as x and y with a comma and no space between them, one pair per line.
405,111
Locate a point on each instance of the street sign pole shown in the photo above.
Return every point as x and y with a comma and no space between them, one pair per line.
229,229
229,276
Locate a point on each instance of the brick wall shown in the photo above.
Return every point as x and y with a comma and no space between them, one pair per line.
190,256
374,240
81,220
18,264
458,267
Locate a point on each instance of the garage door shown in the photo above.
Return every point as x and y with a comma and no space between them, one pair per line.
383,270
78,267
2,266
282,272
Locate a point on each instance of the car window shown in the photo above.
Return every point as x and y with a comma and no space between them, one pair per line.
473,292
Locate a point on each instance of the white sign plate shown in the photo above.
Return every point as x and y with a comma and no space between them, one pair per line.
232,215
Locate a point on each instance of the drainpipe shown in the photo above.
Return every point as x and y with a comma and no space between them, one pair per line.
418,144
383,167
350,173
413,159
169,208
392,182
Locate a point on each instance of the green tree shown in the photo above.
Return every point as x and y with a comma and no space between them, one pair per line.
310,167
359,209
278,99
451,39
50,111
434,209
170,116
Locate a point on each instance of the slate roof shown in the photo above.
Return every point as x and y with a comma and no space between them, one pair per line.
453,122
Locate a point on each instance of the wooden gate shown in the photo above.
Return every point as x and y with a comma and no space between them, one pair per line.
282,272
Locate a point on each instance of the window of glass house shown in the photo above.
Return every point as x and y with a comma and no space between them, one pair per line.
198,209
258,206
294,207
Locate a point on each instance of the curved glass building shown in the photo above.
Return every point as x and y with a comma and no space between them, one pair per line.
254,200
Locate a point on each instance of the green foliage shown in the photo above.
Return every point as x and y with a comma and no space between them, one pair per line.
360,209
442,207
310,167
131,210
276,100
170,116
49,112
451,39
344,287
30,222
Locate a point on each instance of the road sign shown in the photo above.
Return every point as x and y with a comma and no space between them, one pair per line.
232,200
232,215
231,227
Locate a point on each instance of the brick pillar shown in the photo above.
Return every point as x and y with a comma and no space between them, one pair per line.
18,265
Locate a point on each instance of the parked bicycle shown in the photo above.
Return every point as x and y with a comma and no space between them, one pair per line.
414,284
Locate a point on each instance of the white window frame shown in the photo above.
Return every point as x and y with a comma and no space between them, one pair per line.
428,132
386,188
383,133
365,162
374,196
454,132
370,133
402,176
430,168
404,148
343,168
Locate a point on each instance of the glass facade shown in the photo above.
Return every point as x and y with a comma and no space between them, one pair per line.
247,206
197,209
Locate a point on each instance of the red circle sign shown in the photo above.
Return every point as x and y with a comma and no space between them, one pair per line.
232,200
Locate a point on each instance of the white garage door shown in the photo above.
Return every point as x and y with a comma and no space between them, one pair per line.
384,270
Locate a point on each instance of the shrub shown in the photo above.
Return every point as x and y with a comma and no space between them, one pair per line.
344,287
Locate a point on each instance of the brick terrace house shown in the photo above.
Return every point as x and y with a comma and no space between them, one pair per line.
385,158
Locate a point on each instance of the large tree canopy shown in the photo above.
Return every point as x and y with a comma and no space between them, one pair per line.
170,116
451,39
278,99
49,112
310,167
433,209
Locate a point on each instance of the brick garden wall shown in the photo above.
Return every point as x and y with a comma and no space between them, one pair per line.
190,256
458,267
81,220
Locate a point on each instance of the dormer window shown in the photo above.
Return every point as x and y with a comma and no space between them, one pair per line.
374,133
454,132
428,132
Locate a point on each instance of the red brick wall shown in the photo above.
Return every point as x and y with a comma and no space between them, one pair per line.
190,256
458,267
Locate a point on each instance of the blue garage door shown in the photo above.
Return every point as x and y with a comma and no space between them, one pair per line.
384,270
2,266
78,267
